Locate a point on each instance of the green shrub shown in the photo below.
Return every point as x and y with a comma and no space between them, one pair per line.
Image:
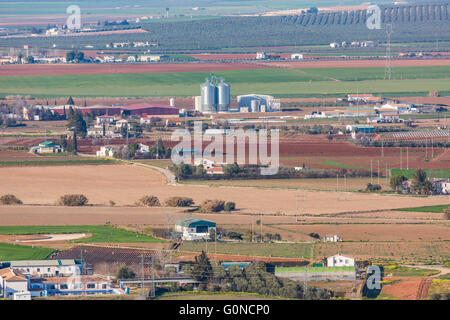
212,206
234,235
73,200
447,214
125,273
9,199
179,202
229,206
149,201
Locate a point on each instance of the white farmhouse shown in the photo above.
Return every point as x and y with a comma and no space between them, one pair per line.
13,283
340,261
108,151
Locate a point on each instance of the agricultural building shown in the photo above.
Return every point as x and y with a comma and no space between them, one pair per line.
149,109
258,103
195,229
132,109
47,268
340,261
64,286
297,56
47,147
360,97
361,129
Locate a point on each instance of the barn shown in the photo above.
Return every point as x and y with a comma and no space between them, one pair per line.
195,229
149,109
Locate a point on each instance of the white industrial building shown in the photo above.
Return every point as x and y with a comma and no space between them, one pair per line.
258,103
48,268
297,56
340,261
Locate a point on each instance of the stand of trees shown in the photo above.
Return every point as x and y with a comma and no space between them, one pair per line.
254,278
419,185
234,171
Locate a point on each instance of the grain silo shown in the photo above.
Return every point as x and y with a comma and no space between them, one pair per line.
208,91
223,96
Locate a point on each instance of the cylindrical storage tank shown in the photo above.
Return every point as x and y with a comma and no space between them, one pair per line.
223,97
254,105
198,103
208,91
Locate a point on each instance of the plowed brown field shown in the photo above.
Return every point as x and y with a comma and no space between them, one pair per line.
126,184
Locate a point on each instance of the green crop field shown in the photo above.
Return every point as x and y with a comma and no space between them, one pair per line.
10,251
100,234
341,165
434,209
278,82
313,269
399,271
409,173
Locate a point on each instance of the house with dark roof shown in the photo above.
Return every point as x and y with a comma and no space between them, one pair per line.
47,147
195,229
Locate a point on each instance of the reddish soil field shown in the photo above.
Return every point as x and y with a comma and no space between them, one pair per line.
315,152
66,69
405,290
16,156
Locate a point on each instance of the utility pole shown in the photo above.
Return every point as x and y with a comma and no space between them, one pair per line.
387,174
371,168
305,285
432,149
261,225
153,277
382,148
142,284
388,72
407,158
401,159
378,172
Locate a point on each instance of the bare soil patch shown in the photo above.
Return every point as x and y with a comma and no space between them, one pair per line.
126,184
